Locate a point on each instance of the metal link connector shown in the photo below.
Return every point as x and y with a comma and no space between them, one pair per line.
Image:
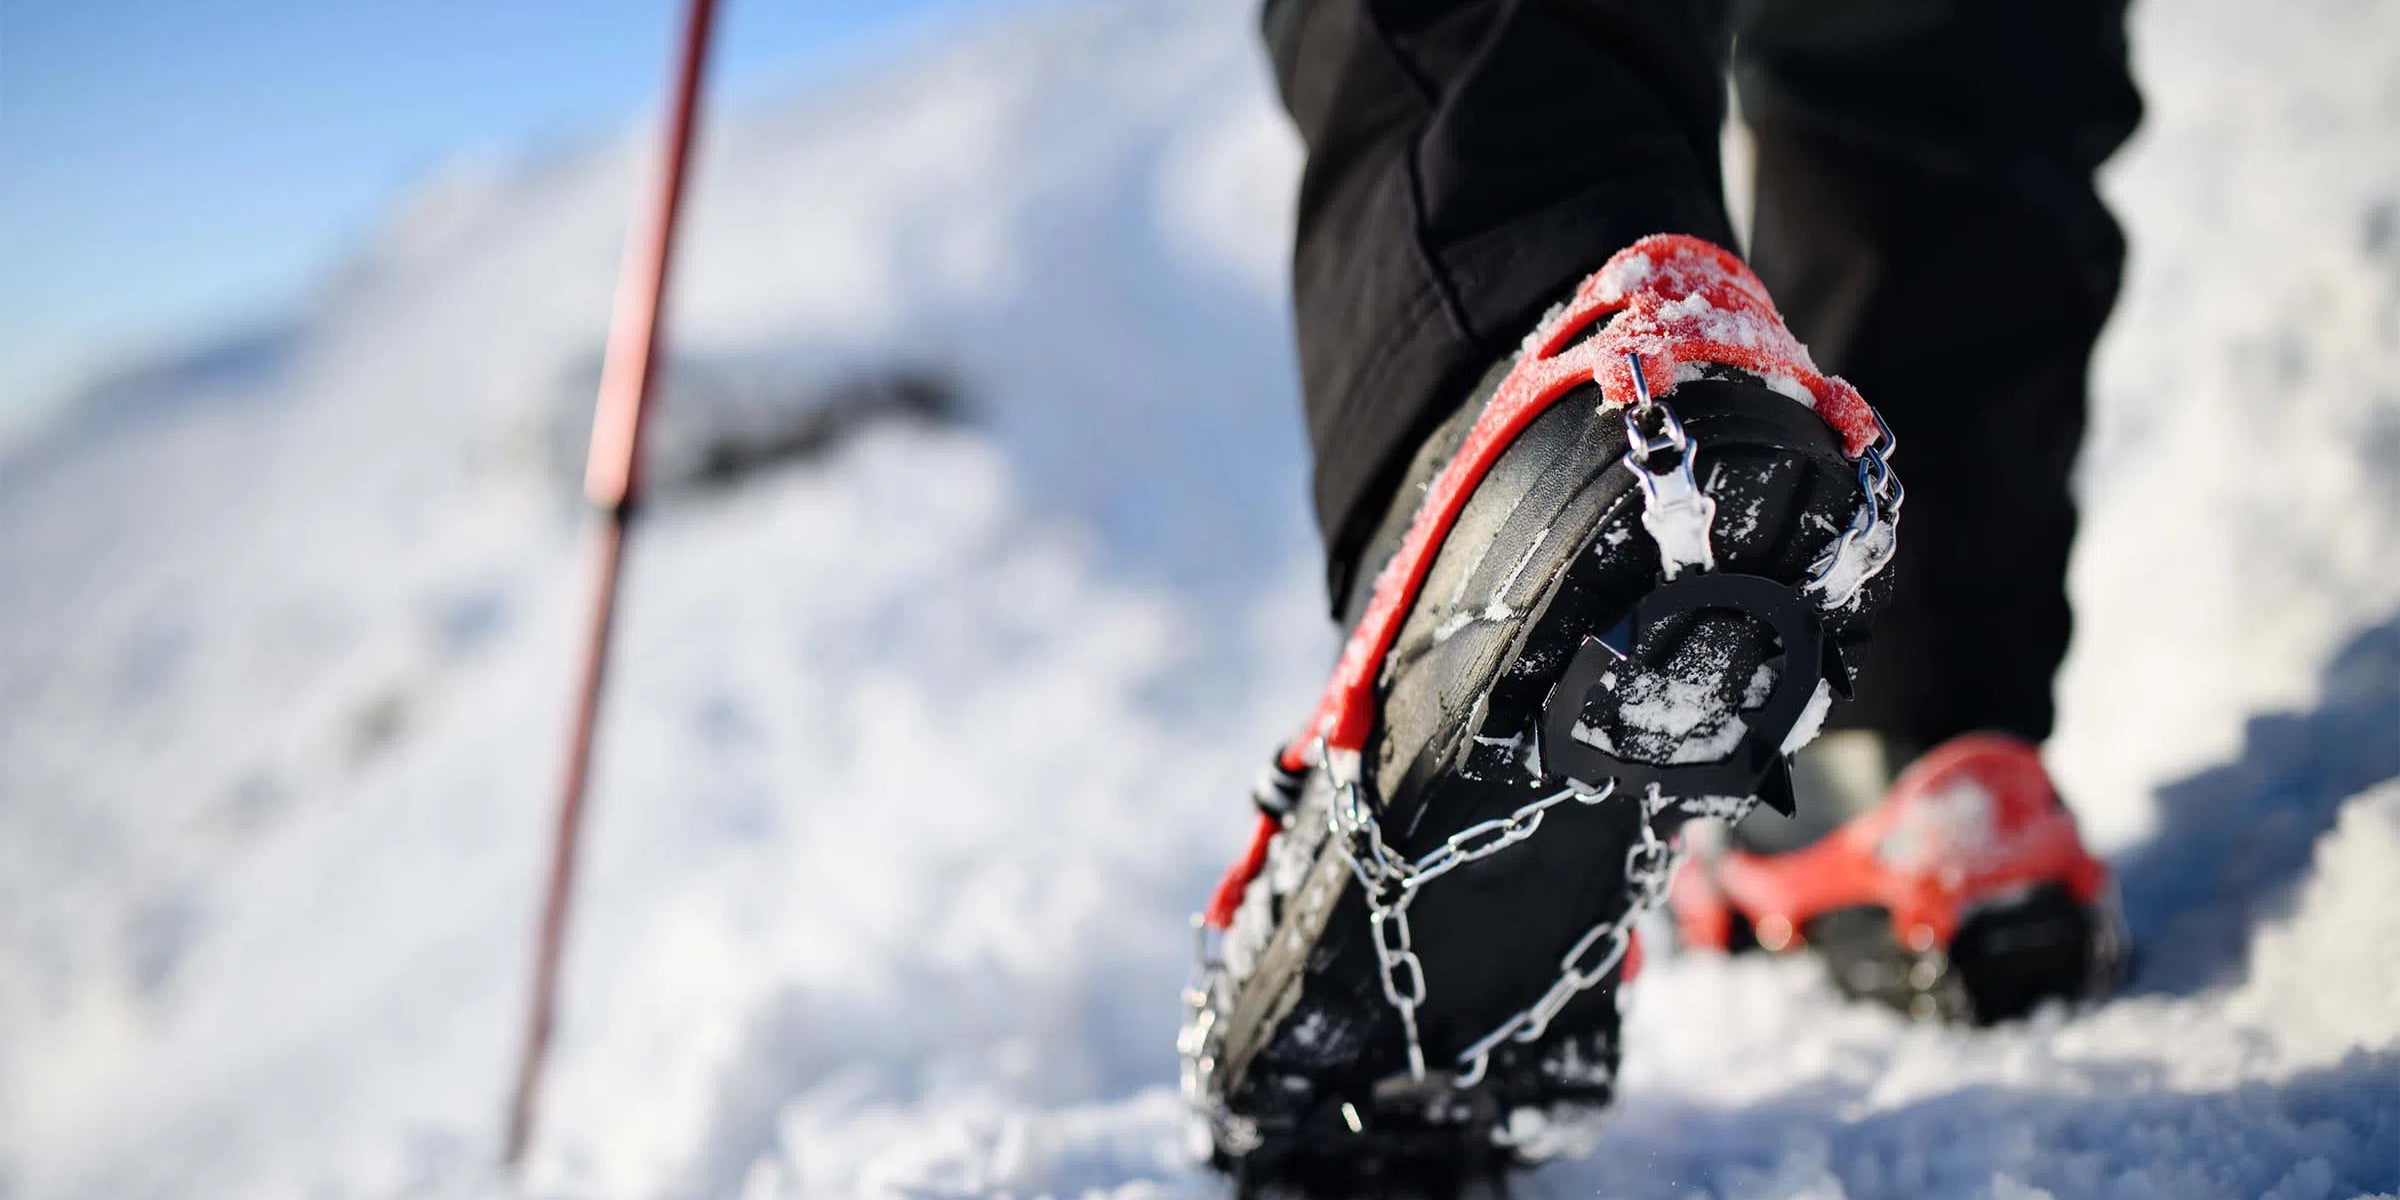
1841,573
1677,514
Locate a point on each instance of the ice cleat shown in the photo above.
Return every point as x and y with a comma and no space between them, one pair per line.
1613,595
1965,894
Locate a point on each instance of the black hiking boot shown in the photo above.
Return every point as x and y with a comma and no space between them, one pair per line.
1958,889
1613,595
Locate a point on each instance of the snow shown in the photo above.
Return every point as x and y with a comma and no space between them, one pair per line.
1666,708
920,752
1811,720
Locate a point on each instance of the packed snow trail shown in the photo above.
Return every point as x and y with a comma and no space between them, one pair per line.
925,745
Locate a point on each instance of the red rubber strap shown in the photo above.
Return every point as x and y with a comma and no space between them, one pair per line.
1237,879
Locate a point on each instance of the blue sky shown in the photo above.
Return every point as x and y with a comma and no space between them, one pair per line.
174,168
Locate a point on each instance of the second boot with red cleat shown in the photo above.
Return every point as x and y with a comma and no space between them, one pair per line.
1960,891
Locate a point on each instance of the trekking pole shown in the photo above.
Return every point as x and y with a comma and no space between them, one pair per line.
611,481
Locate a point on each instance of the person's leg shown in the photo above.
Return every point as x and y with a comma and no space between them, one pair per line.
1926,216
1467,164
1927,219
1614,490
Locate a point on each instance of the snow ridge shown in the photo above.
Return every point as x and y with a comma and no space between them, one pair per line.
922,749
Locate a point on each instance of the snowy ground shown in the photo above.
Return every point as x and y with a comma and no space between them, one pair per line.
921,751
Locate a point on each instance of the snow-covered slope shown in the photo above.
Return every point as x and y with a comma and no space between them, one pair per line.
921,749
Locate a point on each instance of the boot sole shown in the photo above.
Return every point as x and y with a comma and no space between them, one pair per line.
2011,954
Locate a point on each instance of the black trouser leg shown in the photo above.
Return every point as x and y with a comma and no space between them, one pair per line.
1927,221
1467,163
1926,217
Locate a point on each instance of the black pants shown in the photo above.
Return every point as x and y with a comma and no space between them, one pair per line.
1925,216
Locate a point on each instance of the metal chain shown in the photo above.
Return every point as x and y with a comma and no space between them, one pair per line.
1198,1042
1865,548
1649,867
1390,883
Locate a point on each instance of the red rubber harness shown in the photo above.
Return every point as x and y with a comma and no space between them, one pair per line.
1680,304
1973,818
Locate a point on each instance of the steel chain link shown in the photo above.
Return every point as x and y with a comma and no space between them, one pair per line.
1390,882
1676,511
1865,548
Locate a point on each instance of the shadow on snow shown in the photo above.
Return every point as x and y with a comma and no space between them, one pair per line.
2235,839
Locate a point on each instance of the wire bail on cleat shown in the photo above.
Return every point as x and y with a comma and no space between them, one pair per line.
1677,514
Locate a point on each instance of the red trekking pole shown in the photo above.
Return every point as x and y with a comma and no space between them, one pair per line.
610,481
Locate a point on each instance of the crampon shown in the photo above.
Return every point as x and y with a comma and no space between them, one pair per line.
1965,894
1615,593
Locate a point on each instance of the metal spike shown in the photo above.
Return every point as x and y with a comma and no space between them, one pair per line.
1618,639
1775,788
1836,669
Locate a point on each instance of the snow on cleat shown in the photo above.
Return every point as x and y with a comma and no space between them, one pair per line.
1614,594
1966,894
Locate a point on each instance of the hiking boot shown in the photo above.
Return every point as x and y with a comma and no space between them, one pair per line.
1613,595
1960,892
